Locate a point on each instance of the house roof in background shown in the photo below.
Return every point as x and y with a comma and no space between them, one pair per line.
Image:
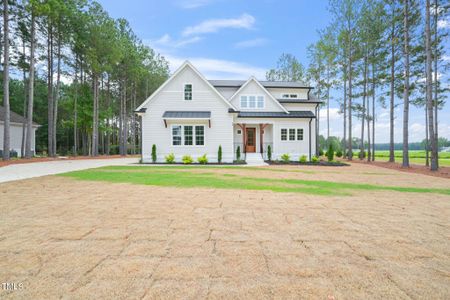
266,84
276,114
14,117
187,115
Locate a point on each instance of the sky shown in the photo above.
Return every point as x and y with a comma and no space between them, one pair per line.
236,39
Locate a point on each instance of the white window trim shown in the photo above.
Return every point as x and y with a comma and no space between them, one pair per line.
193,136
287,136
256,101
192,91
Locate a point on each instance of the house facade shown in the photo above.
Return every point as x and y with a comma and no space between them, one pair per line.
190,115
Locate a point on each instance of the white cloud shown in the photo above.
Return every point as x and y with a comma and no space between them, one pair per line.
334,114
245,21
191,4
251,43
217,68
167,41
443,24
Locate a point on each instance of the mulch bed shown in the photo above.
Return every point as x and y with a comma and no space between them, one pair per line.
309,163
43,159
443,172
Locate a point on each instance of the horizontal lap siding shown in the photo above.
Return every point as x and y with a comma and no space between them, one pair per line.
171,98
16,138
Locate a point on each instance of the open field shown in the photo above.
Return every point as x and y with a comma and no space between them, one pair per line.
415,157
235,232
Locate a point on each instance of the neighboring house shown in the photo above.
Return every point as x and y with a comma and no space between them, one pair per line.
16,130
189,115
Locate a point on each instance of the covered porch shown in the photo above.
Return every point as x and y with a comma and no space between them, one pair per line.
253,137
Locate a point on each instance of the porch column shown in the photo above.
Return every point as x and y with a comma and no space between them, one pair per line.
261,136
242,126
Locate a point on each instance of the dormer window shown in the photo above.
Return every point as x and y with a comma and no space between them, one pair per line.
188,92
252,101
289,96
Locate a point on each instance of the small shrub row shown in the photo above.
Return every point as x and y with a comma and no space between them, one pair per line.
186,159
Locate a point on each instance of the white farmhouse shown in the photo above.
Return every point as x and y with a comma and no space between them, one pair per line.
189,115
16,132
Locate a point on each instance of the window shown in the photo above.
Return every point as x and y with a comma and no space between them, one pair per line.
287,96
243,101
188,135
252,102
284,134
299,134
176,135
188,92
260,102
239,131
199,135
292,134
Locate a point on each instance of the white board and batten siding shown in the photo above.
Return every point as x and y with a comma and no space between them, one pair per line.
294,148
16,130
253,89
171,98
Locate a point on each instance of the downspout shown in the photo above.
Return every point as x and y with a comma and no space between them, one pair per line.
310,120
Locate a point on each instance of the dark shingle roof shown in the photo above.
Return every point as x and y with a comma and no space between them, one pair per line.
313,101
187,115
276,114
266,84
13,117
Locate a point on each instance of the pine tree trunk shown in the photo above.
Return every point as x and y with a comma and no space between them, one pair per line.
328,102
28,153
429,96
50,90
391,107
405,162
120,133
94,145
427,141
344,142
25,99
373,111
363,118
6,122
436,101
75,111
108,104
350,70
56,95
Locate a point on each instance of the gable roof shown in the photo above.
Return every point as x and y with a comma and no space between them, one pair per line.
186,64
263,88
264,83
13,117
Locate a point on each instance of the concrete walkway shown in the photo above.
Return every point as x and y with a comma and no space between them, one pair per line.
37,169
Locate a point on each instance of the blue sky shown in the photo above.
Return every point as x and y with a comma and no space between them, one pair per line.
231,39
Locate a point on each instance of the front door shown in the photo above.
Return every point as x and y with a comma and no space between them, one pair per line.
250,145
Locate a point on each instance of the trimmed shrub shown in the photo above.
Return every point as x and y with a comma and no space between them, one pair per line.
320,152
286,158
361,154
154,153
238,153
330,153
202,159
187,159
269,153
339,153
219,154
170,159
303,159
315,159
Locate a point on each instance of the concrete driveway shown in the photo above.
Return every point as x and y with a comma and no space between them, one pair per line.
37,169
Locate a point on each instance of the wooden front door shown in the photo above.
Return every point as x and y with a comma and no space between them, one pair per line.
250,145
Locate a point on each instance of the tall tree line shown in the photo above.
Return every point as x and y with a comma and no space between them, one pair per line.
83,74
384,53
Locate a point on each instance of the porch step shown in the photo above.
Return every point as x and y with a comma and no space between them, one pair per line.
254,159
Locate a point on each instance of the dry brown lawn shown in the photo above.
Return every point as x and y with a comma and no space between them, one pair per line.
65,238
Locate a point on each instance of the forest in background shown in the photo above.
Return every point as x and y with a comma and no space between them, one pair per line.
378,53
79,73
